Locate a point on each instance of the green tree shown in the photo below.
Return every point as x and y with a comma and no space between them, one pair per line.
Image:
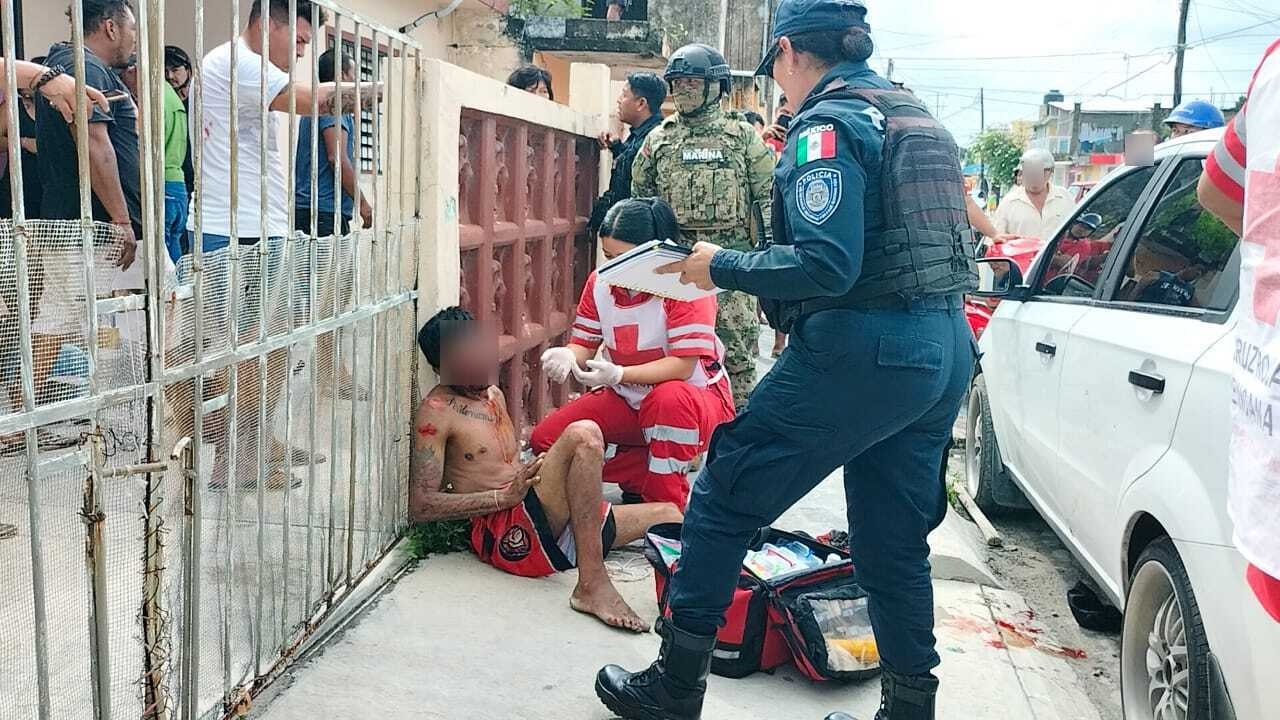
1000,151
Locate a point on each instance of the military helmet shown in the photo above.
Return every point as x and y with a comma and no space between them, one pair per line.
699,61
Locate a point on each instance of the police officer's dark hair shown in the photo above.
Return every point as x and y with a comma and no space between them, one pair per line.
638,220
832,47
527,77
649,86
447,325
327,63
753,117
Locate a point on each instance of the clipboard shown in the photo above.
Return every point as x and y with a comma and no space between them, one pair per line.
635,270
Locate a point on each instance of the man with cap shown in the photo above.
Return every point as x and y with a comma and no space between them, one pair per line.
872,381
1036,207
1193,116
177,71
717,174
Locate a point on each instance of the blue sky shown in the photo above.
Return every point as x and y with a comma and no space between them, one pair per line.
1019,49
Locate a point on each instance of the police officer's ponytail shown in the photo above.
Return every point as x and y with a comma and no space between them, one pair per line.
636,221
832,47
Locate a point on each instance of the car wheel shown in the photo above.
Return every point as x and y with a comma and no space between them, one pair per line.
1164,653
984,471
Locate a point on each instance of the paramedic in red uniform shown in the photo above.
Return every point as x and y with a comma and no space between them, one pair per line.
660,388
529,517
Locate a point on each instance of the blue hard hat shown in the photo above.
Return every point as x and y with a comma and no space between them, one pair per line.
794,17
1197,113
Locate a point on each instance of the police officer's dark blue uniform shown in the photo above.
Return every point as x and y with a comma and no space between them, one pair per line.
872,381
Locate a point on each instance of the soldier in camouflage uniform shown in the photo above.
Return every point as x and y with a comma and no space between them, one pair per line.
717,175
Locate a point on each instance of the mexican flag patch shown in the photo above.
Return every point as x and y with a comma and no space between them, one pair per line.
816,143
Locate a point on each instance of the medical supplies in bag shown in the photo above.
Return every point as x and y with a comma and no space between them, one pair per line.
797,601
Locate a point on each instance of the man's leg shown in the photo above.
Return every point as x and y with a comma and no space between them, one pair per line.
738,329
677,420
618,423
571,497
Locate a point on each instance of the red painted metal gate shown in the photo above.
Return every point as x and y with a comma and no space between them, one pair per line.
525,193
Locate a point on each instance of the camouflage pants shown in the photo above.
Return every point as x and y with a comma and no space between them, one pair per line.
739,330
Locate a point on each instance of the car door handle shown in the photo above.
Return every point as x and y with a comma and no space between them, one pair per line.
1147,381
1045,348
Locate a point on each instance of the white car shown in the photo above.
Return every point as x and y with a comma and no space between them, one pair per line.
1103,396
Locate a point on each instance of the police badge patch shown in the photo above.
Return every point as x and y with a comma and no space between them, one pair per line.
818,194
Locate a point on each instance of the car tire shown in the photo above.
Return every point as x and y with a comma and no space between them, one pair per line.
1164,652
984,471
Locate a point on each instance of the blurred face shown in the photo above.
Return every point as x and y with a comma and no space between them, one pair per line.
471,360
281,44
632,110
1035,178
612,247
1177,130
1080,231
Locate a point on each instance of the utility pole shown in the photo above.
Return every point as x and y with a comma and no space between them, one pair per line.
1182,51
982,128
888,73
724,26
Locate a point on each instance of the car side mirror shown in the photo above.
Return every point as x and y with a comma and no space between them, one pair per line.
997,278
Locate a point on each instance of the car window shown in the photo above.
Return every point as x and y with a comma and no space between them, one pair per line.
1080,253
1184,255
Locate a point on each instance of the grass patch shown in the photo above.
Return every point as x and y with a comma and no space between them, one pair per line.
438,538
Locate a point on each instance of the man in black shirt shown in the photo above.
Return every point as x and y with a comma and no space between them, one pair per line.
640,108
114,169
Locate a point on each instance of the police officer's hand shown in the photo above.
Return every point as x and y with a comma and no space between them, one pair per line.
599,373
695,269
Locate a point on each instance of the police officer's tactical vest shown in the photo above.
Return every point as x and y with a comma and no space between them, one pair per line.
926,246
702,171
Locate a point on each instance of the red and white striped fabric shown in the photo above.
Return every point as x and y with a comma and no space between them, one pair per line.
638,328
1245,166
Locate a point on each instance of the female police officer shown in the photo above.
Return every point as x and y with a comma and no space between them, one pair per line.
872,254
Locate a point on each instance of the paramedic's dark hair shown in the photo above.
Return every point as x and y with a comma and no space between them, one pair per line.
753,117
832,47
527,77
638,220
650,87
279,10
326,62
96,11
447,325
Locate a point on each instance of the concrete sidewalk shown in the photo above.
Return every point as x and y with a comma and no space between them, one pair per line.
456,639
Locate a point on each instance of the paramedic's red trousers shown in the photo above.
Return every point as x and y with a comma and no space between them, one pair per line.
656,444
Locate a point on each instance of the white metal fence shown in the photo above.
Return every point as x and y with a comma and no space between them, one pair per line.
195,471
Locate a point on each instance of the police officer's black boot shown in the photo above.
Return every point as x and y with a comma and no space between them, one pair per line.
903,697
670,689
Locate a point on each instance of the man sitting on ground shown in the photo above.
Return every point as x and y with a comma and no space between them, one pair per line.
530,518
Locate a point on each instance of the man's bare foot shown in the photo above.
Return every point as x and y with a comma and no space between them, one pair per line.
605,603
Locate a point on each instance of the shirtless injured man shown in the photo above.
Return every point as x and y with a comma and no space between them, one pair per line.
529,517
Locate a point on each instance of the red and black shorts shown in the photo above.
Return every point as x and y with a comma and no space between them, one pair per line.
520,541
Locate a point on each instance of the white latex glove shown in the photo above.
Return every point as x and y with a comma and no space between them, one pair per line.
600,374
558,362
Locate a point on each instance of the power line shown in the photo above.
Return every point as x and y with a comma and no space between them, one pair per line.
1207,53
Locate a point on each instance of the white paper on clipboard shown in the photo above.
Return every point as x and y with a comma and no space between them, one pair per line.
636,270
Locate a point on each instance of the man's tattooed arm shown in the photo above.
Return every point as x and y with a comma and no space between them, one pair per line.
428,501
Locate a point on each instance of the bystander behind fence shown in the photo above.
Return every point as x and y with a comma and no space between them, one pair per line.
202,461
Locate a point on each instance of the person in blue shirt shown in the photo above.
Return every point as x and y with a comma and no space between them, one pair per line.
871,256
337,138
